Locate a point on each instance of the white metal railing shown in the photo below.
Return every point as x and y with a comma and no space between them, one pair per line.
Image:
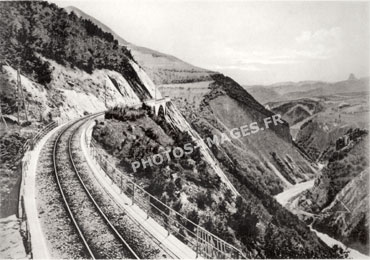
203,242
31,143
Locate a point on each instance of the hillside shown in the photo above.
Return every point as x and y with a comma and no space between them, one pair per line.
295,111
68,67
340,196
71,67
332,130
316,123
263,94
254,221
161,68
257,168
347,217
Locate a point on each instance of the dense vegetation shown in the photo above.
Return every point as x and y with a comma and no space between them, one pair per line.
254,221
279,233
141,135
31,31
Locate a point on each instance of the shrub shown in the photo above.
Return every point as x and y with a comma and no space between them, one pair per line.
170,188
194,217
177,205
200,199
125,113
151,133
157,185
244,222
178,183
223,206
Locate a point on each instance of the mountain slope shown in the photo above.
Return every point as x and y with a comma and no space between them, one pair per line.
105,28
263,94
71,67
347,217
257,168
340,196
161,68
67,68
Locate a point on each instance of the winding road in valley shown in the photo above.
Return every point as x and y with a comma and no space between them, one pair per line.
286,196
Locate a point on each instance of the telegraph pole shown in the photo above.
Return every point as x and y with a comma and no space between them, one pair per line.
105,93
2,117
18,98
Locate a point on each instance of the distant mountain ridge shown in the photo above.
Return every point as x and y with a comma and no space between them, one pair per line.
294,90
161,68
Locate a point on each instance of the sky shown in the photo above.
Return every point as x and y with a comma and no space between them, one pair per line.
252,42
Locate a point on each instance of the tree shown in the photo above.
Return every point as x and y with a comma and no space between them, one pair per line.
90,65
43,71
194,217
244,223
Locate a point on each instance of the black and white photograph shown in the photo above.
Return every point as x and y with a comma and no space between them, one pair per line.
184,129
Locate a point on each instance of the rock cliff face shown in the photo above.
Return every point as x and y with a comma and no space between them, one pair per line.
347,216
344,165
339,199
74,92
268,156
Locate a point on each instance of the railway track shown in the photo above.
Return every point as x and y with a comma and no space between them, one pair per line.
99,237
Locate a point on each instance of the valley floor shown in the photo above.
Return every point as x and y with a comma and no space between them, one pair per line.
286,196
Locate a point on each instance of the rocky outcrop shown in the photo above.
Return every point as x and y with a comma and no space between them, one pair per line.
340,197
347,216
228,106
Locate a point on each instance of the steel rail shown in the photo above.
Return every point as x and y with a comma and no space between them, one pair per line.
62,192
115,231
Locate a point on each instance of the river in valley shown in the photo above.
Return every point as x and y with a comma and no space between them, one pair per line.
284,197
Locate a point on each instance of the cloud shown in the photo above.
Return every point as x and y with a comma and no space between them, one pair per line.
306,47
322,36
320,44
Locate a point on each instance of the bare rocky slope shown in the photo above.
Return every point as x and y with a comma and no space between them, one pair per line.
71,67
339,199
347,216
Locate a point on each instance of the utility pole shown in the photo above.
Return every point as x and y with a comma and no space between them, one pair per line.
105,93
2,117
18,98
